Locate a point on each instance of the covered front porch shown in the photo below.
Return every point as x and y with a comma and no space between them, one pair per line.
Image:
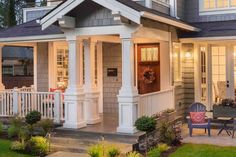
111,62
92,66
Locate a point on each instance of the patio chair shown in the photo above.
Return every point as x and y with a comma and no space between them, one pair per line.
205,124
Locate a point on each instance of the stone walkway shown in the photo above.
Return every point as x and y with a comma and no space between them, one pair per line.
199,137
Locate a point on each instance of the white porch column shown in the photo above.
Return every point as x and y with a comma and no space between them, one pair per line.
128,95
2,87
74,106
91,101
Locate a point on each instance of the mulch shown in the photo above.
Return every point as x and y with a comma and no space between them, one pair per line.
170,151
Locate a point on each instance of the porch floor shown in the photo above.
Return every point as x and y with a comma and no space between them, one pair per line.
199,137
109,124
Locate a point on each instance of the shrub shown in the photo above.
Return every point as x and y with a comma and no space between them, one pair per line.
113,151
46,125
155,152
17,146
33,117
17,121
23,134
133,154
147,124
95,151
163,147
1,127
13,131
167,134
38,146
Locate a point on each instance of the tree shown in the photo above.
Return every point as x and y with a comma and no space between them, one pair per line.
30,3
11,14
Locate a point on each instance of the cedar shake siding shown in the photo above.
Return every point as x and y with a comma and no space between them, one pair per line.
112,58
42,67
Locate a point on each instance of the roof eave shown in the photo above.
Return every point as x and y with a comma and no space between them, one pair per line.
169,21
33,38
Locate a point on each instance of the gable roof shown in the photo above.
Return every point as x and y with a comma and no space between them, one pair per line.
127,8
28,29
212,29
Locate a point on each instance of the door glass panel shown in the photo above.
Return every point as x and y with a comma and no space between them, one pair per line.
203,74
218,73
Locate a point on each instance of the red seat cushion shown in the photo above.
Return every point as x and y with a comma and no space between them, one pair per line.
198,117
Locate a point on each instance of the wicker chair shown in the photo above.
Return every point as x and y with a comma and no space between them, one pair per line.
198,107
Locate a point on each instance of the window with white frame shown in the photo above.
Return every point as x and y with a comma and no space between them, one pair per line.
209,7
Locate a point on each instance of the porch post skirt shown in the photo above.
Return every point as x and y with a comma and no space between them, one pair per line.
74,97
128,96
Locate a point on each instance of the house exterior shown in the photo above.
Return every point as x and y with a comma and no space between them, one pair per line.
130,58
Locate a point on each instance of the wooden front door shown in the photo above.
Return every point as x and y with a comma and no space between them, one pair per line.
148,68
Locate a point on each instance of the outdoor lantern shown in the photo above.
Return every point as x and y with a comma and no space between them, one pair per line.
188,54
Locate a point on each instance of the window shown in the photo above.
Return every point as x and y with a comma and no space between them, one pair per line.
176,63
149,54
211,7
62,67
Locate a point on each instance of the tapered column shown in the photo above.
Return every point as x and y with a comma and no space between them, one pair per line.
74,97
128,95
91,100
2,87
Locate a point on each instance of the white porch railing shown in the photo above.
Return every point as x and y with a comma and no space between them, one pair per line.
17,102
153,103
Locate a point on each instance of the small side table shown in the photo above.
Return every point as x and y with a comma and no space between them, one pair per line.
225,121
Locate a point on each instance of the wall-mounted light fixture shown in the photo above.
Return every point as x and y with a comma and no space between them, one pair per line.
188,54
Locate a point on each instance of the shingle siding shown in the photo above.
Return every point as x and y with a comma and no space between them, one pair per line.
112,58
35,14
42,67
161,8
181,9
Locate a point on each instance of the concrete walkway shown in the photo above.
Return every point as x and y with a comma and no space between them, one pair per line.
199,137
67,154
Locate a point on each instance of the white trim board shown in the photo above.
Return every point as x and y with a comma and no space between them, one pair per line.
33,38
208,38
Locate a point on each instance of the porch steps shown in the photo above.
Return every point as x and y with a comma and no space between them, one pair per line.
78,141
81,145
95,136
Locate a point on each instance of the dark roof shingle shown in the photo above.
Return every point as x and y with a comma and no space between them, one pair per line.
31,28
212,29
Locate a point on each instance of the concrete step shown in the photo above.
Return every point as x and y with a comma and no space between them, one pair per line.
81,145
95,136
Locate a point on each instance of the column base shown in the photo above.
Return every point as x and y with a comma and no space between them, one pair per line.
70,125
74,111
92,108
94,121
127,130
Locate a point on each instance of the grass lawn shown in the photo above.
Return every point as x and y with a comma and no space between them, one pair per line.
6,152
198,150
